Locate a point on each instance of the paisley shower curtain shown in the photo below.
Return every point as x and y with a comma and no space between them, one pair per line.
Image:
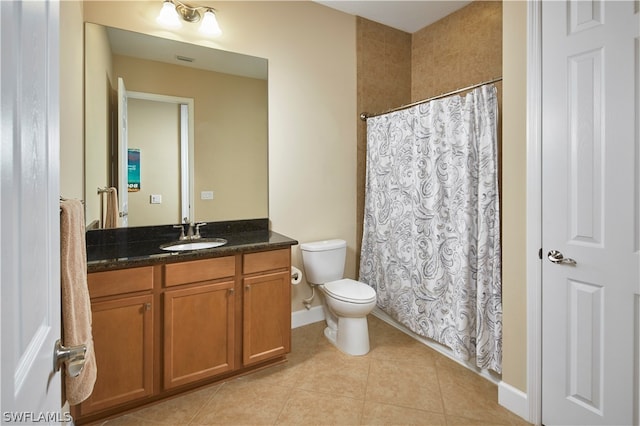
431,241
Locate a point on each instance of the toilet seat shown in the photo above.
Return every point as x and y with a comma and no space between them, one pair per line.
351,291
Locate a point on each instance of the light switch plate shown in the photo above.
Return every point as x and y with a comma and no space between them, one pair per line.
156,199
206,195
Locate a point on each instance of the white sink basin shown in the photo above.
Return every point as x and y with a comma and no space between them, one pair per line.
201,244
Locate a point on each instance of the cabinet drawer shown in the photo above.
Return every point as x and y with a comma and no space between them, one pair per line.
265,261
199,270
120,281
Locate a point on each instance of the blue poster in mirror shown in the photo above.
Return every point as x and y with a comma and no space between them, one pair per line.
133,170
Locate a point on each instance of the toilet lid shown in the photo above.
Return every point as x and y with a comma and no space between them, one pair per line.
350,291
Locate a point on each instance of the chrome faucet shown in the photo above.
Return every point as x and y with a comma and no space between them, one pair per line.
198,226
181,237
190,231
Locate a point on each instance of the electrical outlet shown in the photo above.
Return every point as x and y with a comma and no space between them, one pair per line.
156,199
206,195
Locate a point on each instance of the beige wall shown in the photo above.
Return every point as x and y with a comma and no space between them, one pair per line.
514,212
312,72
99,84
154,129
312,105
71,97
230,121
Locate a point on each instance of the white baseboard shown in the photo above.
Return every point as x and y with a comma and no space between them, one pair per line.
513,399
307,316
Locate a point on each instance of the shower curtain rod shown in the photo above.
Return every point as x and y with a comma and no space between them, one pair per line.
365,115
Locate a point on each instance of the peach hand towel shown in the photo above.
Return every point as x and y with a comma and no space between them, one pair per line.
111,219
76,307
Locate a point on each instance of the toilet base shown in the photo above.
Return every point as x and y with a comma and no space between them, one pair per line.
330,334
351,336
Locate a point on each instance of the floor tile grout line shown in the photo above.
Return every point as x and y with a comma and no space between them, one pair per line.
135,414
206,403
364,400
444,407
442,413
275,422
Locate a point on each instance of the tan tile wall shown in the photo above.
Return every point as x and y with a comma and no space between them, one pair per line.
384,66
384,82
396,68
462,49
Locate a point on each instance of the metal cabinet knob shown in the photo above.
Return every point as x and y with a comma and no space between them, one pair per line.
73,356
558,258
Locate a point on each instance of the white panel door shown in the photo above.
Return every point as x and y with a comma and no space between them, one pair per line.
30,218
590,211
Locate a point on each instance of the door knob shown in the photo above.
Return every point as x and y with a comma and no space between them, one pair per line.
74,356
556,257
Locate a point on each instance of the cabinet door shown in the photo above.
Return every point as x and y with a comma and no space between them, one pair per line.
123,342
266,317
198,332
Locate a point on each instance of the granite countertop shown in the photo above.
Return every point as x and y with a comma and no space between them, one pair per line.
140,246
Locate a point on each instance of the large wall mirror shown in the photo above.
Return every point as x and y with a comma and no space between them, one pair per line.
195,125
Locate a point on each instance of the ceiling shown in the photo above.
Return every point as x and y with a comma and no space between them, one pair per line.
408,16
153,48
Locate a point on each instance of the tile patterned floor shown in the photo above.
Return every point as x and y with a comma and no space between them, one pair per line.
400,382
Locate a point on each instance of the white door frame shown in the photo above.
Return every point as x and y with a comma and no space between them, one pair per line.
534,211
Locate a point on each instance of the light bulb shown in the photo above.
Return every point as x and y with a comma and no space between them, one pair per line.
209,25
168,15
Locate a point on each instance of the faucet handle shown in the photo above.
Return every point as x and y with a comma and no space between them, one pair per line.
182,237
198,225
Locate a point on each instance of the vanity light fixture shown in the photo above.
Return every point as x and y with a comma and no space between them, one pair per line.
173,10
169,15
209,24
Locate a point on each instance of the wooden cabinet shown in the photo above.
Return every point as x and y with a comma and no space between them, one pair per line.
122,337
266,306
198,321
164,329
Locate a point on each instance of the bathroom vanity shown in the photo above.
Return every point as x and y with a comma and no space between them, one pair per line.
168,322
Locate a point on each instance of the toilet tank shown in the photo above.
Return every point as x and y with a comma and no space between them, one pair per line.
324,260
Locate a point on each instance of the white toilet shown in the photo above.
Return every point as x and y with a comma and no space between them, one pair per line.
348,302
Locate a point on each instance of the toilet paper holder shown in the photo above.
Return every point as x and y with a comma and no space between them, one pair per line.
296,275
